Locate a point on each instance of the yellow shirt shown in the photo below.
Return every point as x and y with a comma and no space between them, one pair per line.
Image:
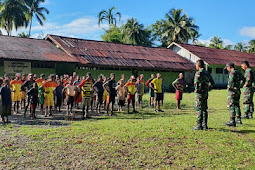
49,88
157,85
15,85
131,87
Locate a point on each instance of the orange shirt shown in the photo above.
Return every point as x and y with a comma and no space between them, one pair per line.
39,82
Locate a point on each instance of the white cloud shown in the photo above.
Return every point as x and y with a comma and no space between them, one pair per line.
248,31
208,41
84,27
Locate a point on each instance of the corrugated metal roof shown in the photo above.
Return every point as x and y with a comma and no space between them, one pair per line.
31,49
112,54
220,56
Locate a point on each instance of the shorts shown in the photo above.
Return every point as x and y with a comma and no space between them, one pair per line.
48,101
86,101
121,103
138,97
178,95
59,101
70,100
6,110
99,98
105,96
159,96
151,93
131,97
33,106
110,99
16,96
22,95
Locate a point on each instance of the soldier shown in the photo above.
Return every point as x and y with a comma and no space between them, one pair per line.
234,85
248,91
203,82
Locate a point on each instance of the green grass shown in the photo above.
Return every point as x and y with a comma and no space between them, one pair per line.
136,141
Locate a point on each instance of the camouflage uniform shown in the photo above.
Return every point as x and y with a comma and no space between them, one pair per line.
248,92
203,82
234,92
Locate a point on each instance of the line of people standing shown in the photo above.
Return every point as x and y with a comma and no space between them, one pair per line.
28,92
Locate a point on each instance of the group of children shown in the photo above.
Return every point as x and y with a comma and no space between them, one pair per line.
28,92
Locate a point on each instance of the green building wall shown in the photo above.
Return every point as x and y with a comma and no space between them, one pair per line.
46,71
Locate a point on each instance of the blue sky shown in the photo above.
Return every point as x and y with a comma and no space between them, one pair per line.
232,20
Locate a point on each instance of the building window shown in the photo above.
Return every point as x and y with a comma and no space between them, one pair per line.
42,65
210,70
219,70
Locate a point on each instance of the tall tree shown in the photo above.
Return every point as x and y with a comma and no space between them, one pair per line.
134,33
13,15
240,47
113,34
35,10
109,16
216,42
177,27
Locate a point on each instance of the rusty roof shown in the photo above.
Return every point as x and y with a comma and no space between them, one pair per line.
220,56
31,49
99,53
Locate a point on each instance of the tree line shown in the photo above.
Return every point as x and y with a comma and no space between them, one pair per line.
174,27
217,42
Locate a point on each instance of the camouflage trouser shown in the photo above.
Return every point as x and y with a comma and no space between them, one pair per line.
201,107
234,104
248,100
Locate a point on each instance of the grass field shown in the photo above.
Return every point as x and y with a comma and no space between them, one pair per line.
136,141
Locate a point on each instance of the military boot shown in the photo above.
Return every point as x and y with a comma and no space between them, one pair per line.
231,122
199,126
204,123
245,116
238,120
250,115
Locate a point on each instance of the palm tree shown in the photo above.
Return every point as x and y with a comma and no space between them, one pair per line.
177,27
194,37
228,47
251,46
134,33
216,42
37,11
109,16
240,47
23,35
201,44
13,15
